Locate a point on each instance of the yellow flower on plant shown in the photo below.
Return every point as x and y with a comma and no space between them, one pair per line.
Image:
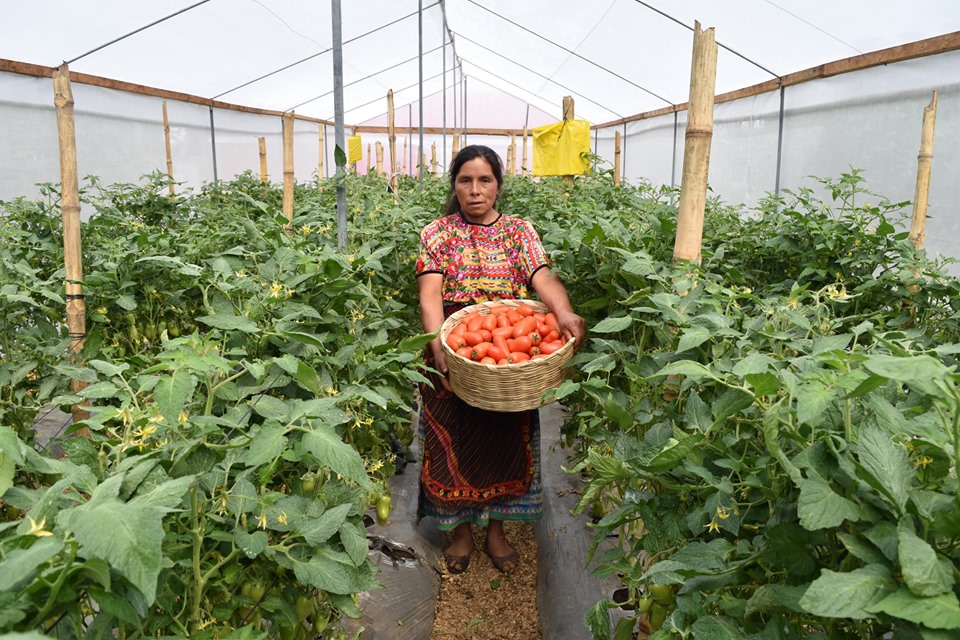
102,311
182,418
37,529
276,289
306,229
712,526
723,513
923,461
282,518
262,520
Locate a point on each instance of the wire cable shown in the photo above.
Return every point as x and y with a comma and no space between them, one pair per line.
143,28
573,53
719,44
316,55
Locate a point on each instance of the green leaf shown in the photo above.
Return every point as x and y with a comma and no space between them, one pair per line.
754,363
354,542
229,322
115,605
696,413
860,548
168,495
133,546
937,612
889,468
672,453
830,343
332,571
612,325
819,507
7,470
173,392
911,369
924,570
692,337
848,595
716,628
21,564
317,531
775,598
597,619
270,407
764,384
268,443
109,368
251,544
127,303
693,370
101,389
339,156
330,450
812,399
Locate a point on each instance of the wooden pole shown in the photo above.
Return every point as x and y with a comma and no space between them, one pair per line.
568,115
616,160
262,142
433,158
288,168
924,166
320,161
696,151
404,169
523,167
456,143
392,133
166,141
369,146
379,157
70,209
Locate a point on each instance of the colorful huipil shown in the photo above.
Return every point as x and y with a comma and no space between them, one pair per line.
478,465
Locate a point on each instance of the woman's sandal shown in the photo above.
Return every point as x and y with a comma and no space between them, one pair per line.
505,564
457,564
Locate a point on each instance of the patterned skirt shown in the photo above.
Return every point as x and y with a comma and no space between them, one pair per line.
476,465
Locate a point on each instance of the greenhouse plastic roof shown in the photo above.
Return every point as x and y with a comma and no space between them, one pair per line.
615,57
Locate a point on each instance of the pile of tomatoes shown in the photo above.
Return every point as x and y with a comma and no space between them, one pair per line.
506,335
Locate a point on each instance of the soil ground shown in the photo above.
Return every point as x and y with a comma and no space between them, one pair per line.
484,604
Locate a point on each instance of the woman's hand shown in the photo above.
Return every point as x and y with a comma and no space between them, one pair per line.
440,364
573,327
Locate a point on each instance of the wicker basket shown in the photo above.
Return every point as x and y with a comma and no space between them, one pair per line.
505,387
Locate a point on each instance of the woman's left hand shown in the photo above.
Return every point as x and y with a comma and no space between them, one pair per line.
572,326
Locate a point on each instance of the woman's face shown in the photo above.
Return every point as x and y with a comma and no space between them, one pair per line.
477,189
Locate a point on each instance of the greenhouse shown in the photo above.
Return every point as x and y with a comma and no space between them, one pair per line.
728,392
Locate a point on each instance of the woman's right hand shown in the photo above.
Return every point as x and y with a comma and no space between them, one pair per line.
440,364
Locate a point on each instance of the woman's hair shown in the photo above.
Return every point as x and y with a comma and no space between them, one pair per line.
465,155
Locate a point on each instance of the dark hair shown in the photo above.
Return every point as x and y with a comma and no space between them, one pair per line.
465,155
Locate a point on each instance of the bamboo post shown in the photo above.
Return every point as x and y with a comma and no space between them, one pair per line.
924,166
262,143
568,115
166,141
70,208
392,133
616,160
404,169
513,153
288,168
369,147
320,161
696,151
523,167
456,144
379,148
433,158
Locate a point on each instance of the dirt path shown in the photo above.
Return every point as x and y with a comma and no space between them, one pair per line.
484,604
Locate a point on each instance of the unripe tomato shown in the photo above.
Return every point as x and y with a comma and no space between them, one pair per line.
662,594
657,614
383,509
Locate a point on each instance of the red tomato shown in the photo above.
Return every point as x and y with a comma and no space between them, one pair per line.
518,357
496,352
539,356
486,335
480,350
501,343
514,316
474,322
456,341
535,337
550,347
465,352
551,320
551,336
488,360
459,329
499,310
472,338
489,322
503,361
524,327
523,343
525,310
503,320
505,332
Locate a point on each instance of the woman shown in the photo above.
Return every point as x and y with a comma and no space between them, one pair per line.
480,466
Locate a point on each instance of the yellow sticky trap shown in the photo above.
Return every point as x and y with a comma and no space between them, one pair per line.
354,149
561,148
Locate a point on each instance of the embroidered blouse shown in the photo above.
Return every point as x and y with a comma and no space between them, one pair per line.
481,262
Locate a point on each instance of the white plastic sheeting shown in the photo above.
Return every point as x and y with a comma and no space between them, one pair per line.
509,65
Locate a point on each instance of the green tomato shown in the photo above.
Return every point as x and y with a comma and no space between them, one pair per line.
662,594
657,614
383,509
304,606
644,603
257,590
309,484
